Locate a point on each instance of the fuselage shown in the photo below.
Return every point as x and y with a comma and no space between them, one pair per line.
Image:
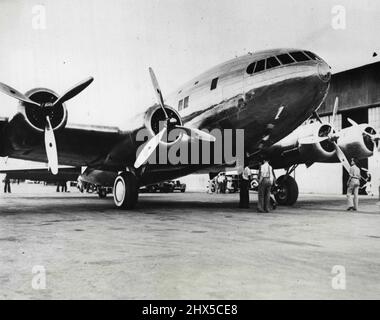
236,94
279,87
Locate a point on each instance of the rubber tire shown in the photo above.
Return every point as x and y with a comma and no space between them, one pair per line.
131,191
291,188
102,193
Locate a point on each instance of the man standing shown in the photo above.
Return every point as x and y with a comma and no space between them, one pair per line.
219,181
7,185
266,178
353,185
244,176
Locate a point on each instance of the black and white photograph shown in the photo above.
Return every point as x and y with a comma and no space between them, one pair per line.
181,150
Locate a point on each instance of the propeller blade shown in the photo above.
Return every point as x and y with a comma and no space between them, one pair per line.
353,123
51,147
335,110
149,148
342,157
312,140
157,91
316,115
16,94
198,134
72,92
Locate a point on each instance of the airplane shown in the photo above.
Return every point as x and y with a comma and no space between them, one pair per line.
268,94
319,142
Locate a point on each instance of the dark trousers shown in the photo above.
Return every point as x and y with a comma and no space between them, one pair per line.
265,186
7,187
244,193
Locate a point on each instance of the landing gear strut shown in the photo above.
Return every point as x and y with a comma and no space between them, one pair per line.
102,193
125,191
286,189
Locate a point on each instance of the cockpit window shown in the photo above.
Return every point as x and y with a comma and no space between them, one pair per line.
299,56
311,55
285,58
251,68
272,62
260,66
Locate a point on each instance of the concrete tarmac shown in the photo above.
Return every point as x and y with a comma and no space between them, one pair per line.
186,246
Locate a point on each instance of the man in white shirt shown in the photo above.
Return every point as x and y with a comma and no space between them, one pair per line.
353,185
266,179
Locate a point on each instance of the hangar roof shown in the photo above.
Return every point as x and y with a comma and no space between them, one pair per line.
356,88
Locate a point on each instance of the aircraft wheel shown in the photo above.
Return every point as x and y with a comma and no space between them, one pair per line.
287,191
125,191
102,193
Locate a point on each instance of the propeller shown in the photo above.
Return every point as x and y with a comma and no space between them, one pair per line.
335,111
316,115
342,157
73,91
50,144
331,136
150,147
51,147
375,137
158,91
16,94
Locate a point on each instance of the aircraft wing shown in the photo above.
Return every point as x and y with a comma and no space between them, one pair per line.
42,174
77,145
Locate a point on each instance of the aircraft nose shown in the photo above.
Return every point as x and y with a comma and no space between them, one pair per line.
324,71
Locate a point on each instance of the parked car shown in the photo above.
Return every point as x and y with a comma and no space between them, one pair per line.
178,186
165,186
232,184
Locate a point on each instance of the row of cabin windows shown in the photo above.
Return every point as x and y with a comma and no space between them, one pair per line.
282,59
261,65
184,103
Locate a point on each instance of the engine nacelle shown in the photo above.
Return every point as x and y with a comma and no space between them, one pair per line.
320,151
293,149
155,116
355,143
36,116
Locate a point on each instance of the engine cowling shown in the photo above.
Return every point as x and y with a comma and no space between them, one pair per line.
320,151
298,147
355,143
155,117
36,116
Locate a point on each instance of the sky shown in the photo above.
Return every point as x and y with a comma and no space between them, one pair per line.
115,41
